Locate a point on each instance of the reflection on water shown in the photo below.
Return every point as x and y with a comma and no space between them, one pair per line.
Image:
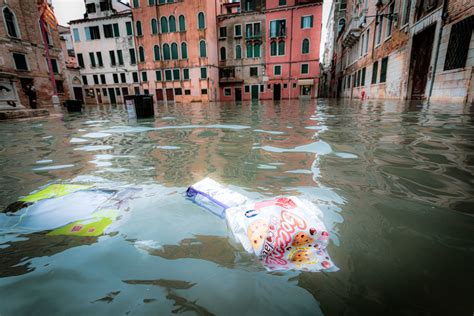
394,180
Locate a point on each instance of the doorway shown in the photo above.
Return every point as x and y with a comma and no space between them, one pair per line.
27,85
159,95
78,95
276,91
112,98
169,95
254,91
238,94
124,92
420,61
99,96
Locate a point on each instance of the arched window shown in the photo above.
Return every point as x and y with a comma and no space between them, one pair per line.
166,52
238,52
182,23
305,46
184,51
249,50
223,53
172,23
139,28
201,22
256,50
156,52
174,51
141,54
154,26
151,2
136,3
10,21
164,24
202,49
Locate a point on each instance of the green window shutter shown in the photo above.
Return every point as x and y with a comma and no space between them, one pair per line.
186,74
144,76
139,28
154,26
92,58
273,49
375,69
281,48
202,49
116,30
151,2
133,59
120,57
156,52
128,25
141,54
112,57
182,23
256,50
305,48
238,52
174,51
176,75
172,23
184,51
136,3
158,75
168,75
201,22
311,21
166,52
164,24
203,73
383,70
249,50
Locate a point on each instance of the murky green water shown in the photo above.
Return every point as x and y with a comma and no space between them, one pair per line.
395,183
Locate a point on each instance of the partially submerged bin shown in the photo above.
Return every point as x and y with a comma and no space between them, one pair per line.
140,105
73,105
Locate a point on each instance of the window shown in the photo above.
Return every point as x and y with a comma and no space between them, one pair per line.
342,5
75,33
123,79
92,59
178,91
249,50
203,73
383,70
135,76
176,74
128,25
237,30
187,92
136,90
247,89
201,22
144,76
252,30
156,52
249,5
202,49
120,57
168,75
141,54
10,21
166,52
139,28
184,51
358,78
458,45
115,76
96,79
164,24
304,69
172,23
133,59
59,86
281,2
262,87
277,28
185,74
277,70
277,48
363,77
104,92
158,75
366,46
227,91
90,8
102,79
80,60
307,22
154,26
388,31
108,32
20,61
406,12
375,69
104,6
223,53
174,51
223,32
92,33
238,52
182,23
151,2
136,3
256,50
305,46
203,91
253,72
99,59
117,91
112,58
84,80
378,27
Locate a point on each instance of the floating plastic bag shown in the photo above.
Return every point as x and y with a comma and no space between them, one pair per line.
214,196
284,233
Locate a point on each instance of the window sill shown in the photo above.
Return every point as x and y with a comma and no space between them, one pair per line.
388,38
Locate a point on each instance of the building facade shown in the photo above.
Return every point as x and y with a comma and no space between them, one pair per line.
399,49
72,72
177,55
105,52
25,80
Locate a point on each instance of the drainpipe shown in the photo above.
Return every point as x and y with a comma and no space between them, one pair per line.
440,33
290,87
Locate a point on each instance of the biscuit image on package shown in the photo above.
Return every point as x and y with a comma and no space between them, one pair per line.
257,231
300,256
301,239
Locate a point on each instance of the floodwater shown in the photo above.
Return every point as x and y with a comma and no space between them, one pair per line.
394,181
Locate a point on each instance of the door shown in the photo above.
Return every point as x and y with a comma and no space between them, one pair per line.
99,95
27,85
238,94
420,61
124,92
112,98
78,95
169,95
254,91
277,91
159,95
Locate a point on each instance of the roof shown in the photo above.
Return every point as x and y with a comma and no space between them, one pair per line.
113,16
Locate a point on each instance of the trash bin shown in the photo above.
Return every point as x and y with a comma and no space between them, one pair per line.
74,105
142,104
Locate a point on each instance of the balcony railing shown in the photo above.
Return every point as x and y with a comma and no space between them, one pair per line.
278,33
352,33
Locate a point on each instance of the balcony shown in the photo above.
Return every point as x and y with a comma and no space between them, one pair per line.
227,75
275,33
232,3
352,33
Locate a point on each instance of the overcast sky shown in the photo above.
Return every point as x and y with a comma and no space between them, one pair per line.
67,10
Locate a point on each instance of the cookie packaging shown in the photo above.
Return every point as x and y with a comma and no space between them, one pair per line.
285,233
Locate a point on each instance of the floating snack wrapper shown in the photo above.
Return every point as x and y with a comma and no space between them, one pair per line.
284,233
214,196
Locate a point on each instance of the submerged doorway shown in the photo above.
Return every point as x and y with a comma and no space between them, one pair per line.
420,61
277,91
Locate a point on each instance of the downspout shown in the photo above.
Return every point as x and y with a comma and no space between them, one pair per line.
440,33
290,87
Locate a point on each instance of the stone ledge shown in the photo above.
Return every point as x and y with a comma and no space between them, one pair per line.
20,114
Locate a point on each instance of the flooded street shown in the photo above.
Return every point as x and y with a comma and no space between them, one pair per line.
395,183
